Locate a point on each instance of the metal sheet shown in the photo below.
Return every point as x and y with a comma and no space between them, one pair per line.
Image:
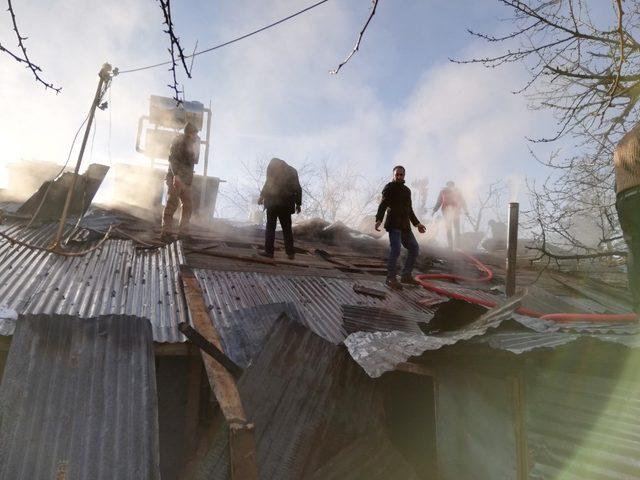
317,299
359,318
78,400
243,331
308,401
114,279
372,457
583,427
379,352
474,427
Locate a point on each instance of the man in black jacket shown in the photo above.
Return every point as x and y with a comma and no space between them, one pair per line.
396,201
281,196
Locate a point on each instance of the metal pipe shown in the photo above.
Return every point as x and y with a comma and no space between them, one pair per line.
104,74
512,248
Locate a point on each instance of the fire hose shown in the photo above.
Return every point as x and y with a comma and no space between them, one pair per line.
488,275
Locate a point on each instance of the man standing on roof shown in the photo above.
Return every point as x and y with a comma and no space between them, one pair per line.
281,195
396,202
183,155
451,201
626,162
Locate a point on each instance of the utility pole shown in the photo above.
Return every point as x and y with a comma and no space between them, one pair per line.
105,77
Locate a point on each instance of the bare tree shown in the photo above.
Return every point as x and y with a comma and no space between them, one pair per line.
584,65
24,58
492,200
420,193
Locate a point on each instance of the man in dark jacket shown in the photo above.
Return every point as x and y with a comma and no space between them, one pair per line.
183,155
396,202
281,196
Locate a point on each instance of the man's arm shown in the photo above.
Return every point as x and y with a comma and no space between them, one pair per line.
414,220
382,208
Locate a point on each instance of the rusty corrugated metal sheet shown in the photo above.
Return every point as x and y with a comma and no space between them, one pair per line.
78,400
585,427
114,279
317,299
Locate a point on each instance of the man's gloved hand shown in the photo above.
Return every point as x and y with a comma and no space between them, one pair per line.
422,228
378,223
298,209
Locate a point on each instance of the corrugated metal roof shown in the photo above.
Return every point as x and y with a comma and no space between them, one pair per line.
317,299
583,427
379,352
243,331
308,400
78,400
114,279
358,318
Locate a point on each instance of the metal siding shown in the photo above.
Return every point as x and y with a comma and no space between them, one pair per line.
583,427
78,400
114,279
318,299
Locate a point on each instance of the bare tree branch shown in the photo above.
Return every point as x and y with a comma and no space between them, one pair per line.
374,5
35,69
175,48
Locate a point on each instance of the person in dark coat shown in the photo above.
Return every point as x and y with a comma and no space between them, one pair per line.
626,163
281,196
396,202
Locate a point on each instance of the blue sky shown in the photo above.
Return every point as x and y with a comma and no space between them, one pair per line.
399,100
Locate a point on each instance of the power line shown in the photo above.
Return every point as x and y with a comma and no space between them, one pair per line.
131,70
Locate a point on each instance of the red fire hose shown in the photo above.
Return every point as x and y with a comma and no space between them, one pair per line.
488,275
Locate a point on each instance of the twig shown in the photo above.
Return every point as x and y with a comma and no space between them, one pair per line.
374,4
25,58
175,45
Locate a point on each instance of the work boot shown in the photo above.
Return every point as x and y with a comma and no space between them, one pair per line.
409,280
291,256
393,283
265,254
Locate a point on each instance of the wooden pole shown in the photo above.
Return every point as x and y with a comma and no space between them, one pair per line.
512,249
105,76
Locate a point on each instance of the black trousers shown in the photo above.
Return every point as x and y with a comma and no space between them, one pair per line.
273,215
628,207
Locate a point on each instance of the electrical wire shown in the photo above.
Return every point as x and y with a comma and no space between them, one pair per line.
237,39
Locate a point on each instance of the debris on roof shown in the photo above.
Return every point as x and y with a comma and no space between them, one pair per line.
78,400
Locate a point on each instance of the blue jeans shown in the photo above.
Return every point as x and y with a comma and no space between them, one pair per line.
408,241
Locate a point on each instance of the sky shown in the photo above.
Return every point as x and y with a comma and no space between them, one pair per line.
398,101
